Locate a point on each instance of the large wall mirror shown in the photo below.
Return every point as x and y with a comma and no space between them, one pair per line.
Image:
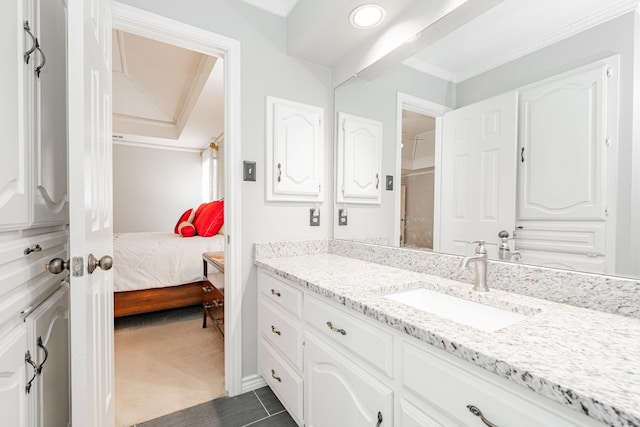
560,168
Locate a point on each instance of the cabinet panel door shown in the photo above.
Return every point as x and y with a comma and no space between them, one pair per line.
563,156
13,374
50,127
359,159
340,393
478,174
48,328
295,151
14,171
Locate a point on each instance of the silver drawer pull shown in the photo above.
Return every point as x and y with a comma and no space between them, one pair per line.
334,329
273,374
36,248
379,423
275,331
27,359
273,292
206,289
475,411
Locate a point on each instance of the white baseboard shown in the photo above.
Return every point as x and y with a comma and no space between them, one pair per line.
252,382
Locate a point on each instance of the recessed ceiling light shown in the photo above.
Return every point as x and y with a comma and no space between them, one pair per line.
366,16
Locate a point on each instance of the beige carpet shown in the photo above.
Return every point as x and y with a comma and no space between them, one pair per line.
166,367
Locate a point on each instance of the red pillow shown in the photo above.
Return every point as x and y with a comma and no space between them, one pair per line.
186,229
209,218
186,216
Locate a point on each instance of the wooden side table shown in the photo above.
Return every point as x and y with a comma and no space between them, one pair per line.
213,289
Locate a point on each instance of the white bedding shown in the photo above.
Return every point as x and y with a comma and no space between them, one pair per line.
156,260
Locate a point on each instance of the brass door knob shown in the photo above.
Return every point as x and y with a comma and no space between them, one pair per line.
57,266
105,263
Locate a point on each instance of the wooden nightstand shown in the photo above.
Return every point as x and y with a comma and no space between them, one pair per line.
213,289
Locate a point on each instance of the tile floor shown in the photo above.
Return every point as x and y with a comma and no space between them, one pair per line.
259,408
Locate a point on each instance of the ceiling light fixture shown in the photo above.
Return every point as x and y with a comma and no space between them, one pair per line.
366,16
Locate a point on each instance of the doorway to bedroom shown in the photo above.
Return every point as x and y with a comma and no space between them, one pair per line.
168,160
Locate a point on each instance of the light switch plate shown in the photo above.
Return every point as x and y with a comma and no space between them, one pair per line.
389,182
342,219
314,217
249,171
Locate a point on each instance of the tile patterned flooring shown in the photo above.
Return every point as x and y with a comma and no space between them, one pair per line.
259,408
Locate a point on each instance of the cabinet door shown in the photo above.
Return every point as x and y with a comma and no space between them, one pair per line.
563,154
359,160
340,393
13,374
295,151
48,332
14,161
50,115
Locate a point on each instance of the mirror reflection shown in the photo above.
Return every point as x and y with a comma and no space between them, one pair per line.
534,155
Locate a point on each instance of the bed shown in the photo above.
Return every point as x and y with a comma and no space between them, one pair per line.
157,271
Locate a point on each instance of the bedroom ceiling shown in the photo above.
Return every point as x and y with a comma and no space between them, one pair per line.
165,95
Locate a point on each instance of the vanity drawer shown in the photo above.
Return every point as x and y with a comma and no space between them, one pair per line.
283,331
282,379
366,341
450,385
280,293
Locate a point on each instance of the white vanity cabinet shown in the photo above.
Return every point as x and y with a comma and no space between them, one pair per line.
13,377
359,372
295,151
359,160
280,346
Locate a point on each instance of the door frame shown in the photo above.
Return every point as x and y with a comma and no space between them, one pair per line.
147,24
429,108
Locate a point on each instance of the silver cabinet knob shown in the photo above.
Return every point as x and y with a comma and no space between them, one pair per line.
57,266
105,263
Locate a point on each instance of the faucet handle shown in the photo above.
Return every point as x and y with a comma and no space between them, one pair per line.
481,248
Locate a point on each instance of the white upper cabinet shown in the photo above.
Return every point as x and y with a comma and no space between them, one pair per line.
50,115
295,151
564,146
359,160
14,161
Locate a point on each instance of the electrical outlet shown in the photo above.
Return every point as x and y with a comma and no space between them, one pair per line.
389,181
342,217
314,217
249,171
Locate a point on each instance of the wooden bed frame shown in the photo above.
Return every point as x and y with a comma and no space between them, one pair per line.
148,300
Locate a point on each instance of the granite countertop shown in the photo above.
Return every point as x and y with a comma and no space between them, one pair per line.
586,359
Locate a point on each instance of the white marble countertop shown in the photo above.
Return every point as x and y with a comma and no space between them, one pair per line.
586,359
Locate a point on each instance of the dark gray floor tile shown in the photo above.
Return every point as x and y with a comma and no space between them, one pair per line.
224,412
269,400
283,419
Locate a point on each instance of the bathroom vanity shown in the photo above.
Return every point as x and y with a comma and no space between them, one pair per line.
347,341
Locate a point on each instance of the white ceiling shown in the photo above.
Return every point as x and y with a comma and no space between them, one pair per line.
319,31
165,95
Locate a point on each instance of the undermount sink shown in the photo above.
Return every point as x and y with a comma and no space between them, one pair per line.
470,313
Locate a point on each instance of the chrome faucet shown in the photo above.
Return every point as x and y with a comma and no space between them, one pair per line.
480,260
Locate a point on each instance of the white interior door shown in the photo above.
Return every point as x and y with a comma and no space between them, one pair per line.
478,174
90,211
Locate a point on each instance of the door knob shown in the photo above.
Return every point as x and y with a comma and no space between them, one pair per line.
105,263
57,265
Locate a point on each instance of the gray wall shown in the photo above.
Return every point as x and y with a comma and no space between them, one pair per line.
153,187
266,70
613,37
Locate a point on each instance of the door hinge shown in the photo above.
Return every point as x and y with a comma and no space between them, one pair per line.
609,72
77,266
606,212
228,239
607,142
